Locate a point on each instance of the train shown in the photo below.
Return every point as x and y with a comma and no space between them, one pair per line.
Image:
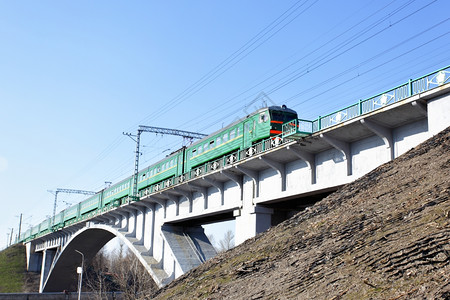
257,132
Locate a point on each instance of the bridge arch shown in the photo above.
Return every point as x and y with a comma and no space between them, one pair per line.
88,240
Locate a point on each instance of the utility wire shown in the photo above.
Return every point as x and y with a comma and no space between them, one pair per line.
199,84
226,102
370,70
335,48
373,58
249,47
324,61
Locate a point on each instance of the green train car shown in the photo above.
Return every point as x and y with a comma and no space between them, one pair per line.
256,132
262,124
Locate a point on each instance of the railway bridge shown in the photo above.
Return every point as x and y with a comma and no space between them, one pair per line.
310,160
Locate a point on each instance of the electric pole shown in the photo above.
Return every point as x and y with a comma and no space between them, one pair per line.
141,129
11,236
67,191
20,225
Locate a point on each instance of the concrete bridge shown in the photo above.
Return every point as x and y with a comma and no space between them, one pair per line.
164,230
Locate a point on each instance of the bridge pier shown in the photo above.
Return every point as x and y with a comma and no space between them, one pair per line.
250,221
47,260
34,259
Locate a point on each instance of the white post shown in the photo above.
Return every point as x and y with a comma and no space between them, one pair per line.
80,271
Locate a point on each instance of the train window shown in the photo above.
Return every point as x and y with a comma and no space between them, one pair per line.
283,117
211,143
225,137
263,117
238,131
218,141
205,147
200,149
232,134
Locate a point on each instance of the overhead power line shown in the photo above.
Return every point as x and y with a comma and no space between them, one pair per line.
326,59
287,17
273,28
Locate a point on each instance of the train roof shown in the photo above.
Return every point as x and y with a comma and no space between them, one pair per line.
282,108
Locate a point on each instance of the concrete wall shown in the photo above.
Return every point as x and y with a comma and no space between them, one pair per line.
410,135
214,198
34,259
368,154
438,114
298,176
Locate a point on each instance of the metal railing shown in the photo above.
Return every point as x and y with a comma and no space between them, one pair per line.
408,89
297,127
215,165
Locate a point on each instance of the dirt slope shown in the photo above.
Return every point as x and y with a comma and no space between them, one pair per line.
384,236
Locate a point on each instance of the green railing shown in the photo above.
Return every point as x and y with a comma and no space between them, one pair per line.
408,89
297,127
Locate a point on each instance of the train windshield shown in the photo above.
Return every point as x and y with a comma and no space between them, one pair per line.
282,116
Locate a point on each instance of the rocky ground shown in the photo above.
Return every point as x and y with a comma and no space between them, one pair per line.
384,236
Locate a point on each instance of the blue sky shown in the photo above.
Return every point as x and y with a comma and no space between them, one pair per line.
74,75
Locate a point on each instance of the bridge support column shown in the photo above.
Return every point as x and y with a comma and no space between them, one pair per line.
47,260
251,221
34,260
184,248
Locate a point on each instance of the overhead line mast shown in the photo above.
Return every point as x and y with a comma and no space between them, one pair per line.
67,191
185,134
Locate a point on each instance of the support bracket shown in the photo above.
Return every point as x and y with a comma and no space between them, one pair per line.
235,178
254,175
341,146
279,167
420,107
307,157
186,194
202,190
383,132
217,184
